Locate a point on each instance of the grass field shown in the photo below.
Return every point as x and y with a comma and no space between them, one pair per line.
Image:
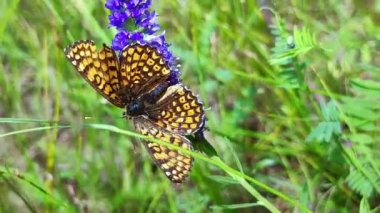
291,91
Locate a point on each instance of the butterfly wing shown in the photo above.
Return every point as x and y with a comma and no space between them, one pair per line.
144,69
99,68
179,111
173,163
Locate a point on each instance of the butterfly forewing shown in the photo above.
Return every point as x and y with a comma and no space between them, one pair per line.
178,111
173,163
99,68
144,68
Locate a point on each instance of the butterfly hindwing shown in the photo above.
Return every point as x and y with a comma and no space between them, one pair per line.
173,163
179,111
145,68
99,68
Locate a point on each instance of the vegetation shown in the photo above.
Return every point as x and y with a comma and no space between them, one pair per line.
293,105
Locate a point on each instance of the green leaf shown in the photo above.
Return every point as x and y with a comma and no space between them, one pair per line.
305,195
364,206
236,206
359,183
224,179
366,84
329,127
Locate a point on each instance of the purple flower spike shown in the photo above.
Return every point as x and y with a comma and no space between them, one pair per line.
136,24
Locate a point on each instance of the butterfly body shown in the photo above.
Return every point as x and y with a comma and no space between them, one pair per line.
138,106
137,81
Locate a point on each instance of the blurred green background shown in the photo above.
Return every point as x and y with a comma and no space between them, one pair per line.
292,95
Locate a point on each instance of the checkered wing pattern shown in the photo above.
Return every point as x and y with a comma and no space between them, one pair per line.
99,68
179,111
173,163
143,68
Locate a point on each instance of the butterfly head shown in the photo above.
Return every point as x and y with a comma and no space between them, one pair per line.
134,108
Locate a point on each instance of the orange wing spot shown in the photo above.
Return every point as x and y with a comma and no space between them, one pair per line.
150,62
165,71
196,119
102,56
155,56
93,48
139,49
112,63
189,120
97,79
144,57
156,67
104,66
172,154
102,84
168,115
193,103
130,51
170,164
136,77
91,73
85,62
186,106
190,112
187,161
136,57
181,91
113,96
109,55
81,67
89,61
